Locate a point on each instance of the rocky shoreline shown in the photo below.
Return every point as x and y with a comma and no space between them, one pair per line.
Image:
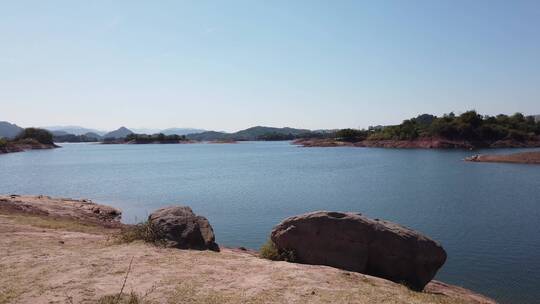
421,143
25,145
516,158
237,275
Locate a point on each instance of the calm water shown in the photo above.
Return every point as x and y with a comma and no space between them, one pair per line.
487,216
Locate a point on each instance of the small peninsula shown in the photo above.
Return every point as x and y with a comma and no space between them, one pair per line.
28,139
516,158
469,130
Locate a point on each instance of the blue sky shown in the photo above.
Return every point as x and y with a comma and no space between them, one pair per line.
228,65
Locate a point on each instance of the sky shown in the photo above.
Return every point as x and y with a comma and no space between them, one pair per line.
229,65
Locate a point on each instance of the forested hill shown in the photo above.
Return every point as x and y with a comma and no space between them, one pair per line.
254,133
478,130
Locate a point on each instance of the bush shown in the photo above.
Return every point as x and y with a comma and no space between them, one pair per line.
131,298
3,142
269,251
351,135
42,136
145,231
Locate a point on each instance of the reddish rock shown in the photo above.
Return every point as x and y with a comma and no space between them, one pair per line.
354,242
183,229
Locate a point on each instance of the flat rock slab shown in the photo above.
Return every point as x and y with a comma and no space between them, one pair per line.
81,210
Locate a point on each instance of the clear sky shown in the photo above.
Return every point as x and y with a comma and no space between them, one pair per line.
228,65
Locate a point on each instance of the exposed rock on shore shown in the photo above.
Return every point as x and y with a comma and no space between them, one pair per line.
420,143
80,210
354,242
181,228
24,145
65,263
518,158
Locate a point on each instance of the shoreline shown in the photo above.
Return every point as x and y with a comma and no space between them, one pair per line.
421,143
530,158
85,263
11,147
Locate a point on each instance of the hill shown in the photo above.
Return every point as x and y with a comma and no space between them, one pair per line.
76,130
61,137
254,133
122,132
9,130
469,130
182,131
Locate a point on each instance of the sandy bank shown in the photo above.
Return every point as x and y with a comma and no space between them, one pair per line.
517,158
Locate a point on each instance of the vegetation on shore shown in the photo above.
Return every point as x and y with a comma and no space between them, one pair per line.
468,130
144,231
29,138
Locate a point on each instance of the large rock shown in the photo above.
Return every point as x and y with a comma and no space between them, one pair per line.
183,229
354,242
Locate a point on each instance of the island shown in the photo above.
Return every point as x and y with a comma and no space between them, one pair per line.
28,139
516,158
469,130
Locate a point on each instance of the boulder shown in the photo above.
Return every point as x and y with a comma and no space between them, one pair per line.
354,242
181,228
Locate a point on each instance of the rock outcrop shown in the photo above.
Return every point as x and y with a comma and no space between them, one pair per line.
81,210
181,228
354,242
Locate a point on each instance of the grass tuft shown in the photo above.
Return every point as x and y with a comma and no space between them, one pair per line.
269,251
132,298
145,231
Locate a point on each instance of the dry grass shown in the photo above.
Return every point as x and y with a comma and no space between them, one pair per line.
145,231
56,223
54,265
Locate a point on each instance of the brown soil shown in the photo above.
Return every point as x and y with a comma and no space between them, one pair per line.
49,260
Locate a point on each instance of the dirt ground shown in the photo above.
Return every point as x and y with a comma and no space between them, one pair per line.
45,260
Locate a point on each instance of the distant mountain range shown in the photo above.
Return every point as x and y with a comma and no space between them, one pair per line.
8,130
181,131
254,133
75,130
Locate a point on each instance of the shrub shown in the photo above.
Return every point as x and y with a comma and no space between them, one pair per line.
145,231
269,251
42,136
131,298
351,135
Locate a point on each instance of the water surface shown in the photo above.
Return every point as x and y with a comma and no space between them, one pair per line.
486,215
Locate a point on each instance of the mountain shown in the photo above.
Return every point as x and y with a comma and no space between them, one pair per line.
182,131
9,130
145,130
59,133
93,135
210,135
257,132
75,130
120,133
254,133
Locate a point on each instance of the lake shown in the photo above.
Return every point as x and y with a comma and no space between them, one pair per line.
486,215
